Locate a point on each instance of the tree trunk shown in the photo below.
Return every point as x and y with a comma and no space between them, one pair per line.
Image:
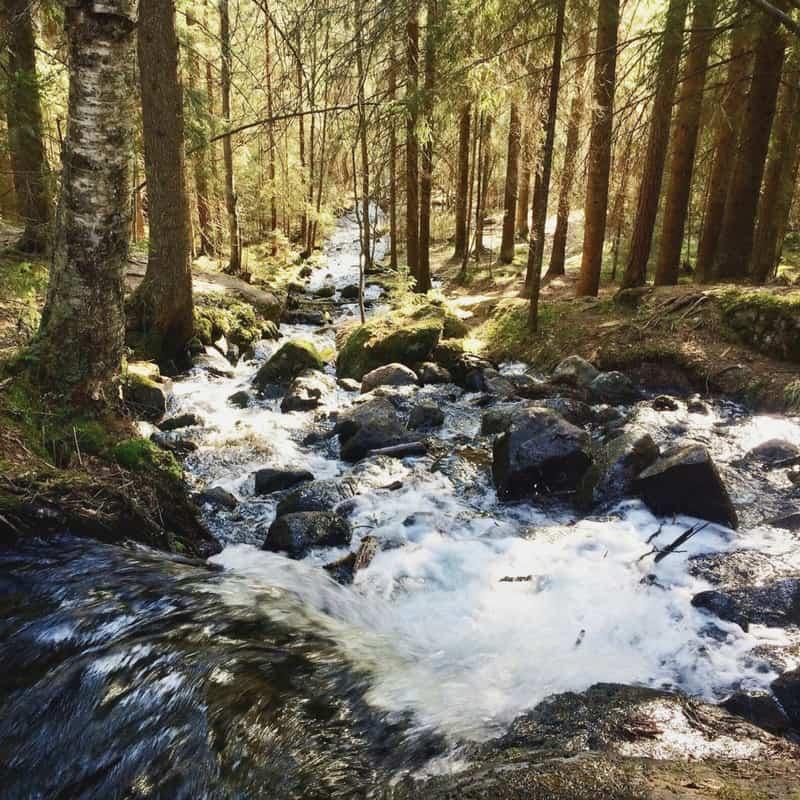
525,158
215,201
658,139
780,176
725,141
231,201
462,275
393,163
301,127
599,167
462,183
512,184
423,283
362,139
536,249
558,254
485,157
684,143
273,203
26,129
161,308
741,205
412,145
81,336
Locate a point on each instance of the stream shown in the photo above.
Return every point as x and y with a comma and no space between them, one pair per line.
131,673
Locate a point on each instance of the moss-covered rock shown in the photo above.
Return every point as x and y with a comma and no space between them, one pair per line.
218,314
768,322
144,391
292,358
141,455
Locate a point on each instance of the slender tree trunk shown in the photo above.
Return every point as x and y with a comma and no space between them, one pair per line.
82,331
426,178
301,129
525,157
462,182
512,183
738,222
161,308
214,199
8,198
412,145
462,275
684,143
273,202
26,129
536,248
780,175
558,254
231,201
650,187
138,211
726,137
599,167
362,139
393,163
485,157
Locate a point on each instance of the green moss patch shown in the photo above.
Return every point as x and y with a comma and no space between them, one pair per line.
141,455
288,362
767,322
218,314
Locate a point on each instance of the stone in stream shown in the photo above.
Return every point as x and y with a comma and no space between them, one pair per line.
539,453
574,371
292,358
349,385
181,421
325,291
295,534
240,399
344,570
695,405
758,708
144,391
773,451
664,403
305,317
321,495
617,462
613,387
425,416
787,689
350,292
307,391
686,481
371,425
269,480
388,375
497,385
219,498
775,604
432,373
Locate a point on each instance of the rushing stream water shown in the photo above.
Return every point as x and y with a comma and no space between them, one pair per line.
129,673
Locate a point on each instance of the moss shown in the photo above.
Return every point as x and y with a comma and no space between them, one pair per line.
219,314
766,321
288,362
791,396
141,455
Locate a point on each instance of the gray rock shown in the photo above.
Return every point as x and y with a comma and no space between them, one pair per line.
612,387
276,480
686,481
575,411
540,453
575,371
350,292
180,421
773,452
327,290
694,405
320,495
760,709
618,462
349,385
307,391
388,375
369,426
498,418
498,385
219,498
665,403
431,373
425,416
787,689
240,399
296,534
775,604
344,570
147,398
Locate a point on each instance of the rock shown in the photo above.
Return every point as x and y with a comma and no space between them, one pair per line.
327,290
219,498
432,373
526,385
214,363
350,292
425,416
664,403
195,347
144,391
775,604
786,522
318,495
575,411
575,371
454,327
348,384
292,358
296,287
240,399
540,453
179,446
496,384
498,419
787,689
296,534
180,421
613,387
369,426
618,462
694,405
276,480
305,271
344,570
306,317
760,709
773,452
270,331
307,391
686,481
633,297
388,375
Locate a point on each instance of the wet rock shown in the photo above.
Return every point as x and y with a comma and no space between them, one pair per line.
665,403
425,416
320,495
303,316
618,462
694,405
613,387
738,568
686,481
270,331
497,385
432,373
307,391
288,362
787,689
348,384
180,421
194,347
760,709
775,604
575,411
327,290
144,391
370,426
464,368
575,371
388,375
498,419
214,363
773,452
296,287
240,399
344,570
540,453
276,480
219,498
525,385
296,534
350,292
786,522
177,445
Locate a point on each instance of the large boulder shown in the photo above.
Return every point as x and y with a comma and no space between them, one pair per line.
307,391
388,375
787,689
425,416
618,461
270,480
296,534
144,391
218,497
432,373
540,453
686,481
760,709
321,495
773,451
291,358
575,371
370,426
187,420
775,604
613,387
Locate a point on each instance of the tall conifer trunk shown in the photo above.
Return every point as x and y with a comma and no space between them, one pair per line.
412,145
512,187
462,181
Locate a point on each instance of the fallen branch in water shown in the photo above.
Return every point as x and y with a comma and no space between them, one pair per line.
662,553
401,450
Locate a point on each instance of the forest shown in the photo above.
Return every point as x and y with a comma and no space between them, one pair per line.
400,399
